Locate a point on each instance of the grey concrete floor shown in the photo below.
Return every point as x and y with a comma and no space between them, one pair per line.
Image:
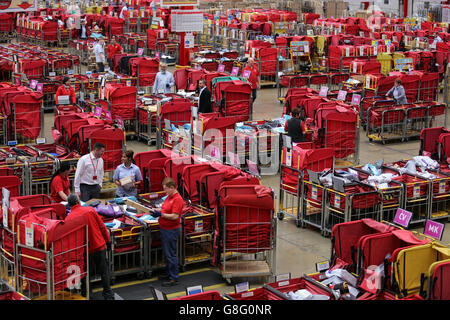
297,249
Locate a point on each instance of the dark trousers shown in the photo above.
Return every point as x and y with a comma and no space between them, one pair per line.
100,67
99,265
254,94
169,239
89,191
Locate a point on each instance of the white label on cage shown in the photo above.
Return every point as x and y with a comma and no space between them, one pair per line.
5,215
242,287
388,49
198,226
289,158
29,236
367,81
40,140
416,191
355,67
347,51
128,83
314,192
153,196
283,283
361,51
247,294
375,50
442,185
337,201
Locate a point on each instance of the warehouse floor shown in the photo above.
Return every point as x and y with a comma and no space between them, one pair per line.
297,249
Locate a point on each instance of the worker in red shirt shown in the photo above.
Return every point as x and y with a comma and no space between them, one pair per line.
60,184
113,49
253,78
66,90
170,227
98,241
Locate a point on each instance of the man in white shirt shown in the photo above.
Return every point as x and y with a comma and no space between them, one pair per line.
122,12
164,81
100,55
436,40
89,174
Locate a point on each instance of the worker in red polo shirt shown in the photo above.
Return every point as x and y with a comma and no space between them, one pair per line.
170,227
253,78
113,49
65,89
98,241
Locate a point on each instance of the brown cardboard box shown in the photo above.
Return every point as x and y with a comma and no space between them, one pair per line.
288,66
126,182
139,207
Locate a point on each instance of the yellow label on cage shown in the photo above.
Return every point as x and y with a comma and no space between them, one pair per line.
29,236
337,201
314,193
416,191
198,226
442,185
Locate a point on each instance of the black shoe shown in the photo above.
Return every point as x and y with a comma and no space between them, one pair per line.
170,283
164,277
108,295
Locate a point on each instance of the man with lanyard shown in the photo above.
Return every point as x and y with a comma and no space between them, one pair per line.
164,81
89,174
169,219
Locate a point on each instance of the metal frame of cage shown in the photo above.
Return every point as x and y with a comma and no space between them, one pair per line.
3,130
245,262
197,242
16,133
145,130
392,126
289,201
140,74
8,259
179,141
130,124
391,197
123,260
38,183
162,133
220,146
18,168
413,201
5,35
349,159
334,214
170,49
311,206
64,36
50,293
259,148
439,206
